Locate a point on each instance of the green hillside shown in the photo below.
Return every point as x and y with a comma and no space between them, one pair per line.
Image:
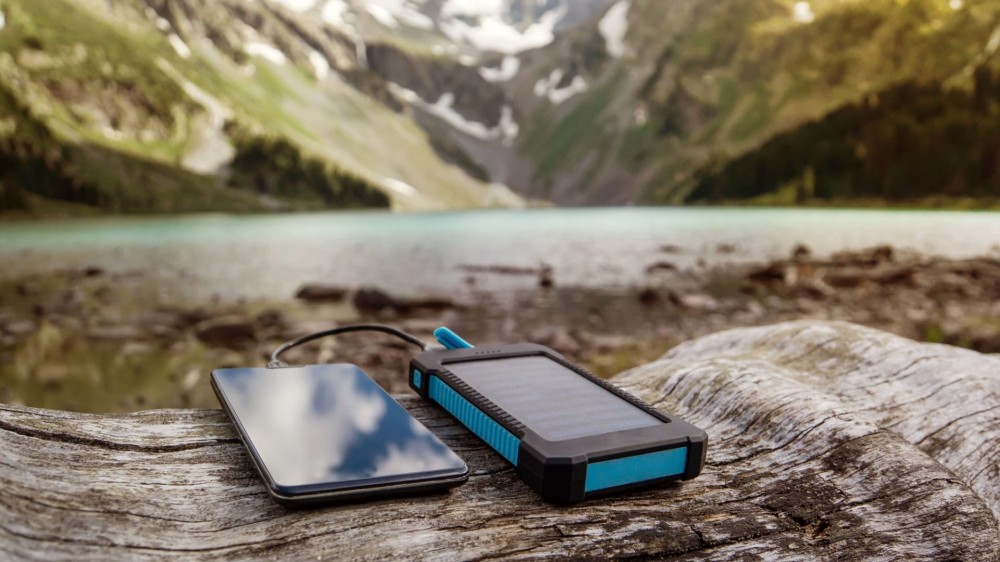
180,105
689,113
103,111
908,143
747,94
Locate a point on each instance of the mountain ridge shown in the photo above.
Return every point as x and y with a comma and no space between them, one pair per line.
484,103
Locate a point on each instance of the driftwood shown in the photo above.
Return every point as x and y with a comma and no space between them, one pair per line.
828,441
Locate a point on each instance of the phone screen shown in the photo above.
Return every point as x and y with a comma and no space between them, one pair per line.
321,428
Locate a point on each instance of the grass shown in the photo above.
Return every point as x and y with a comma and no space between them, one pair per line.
755,119
942,203
166,188
781,74
114,62
552,146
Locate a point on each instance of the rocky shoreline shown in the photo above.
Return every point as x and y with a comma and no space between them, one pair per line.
78,340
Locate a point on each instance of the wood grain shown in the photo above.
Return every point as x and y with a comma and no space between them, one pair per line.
828,441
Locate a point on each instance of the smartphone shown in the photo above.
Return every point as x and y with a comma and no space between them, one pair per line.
319,433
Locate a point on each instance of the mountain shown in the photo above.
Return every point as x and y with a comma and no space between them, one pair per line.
645,101
182,105
173,105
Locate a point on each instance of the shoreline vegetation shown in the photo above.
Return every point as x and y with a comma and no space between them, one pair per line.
91,340
912,141
45,176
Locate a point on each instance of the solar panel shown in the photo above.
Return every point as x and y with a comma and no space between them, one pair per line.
524,388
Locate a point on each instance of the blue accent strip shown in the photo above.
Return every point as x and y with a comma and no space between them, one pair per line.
450,339
418,378
630,470
473,418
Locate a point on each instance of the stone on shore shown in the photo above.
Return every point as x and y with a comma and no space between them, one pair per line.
233,332
320,292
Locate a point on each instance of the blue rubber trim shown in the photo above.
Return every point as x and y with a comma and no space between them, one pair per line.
631,470
450,339
418,378
473,418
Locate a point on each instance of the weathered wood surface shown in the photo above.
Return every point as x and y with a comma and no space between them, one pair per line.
828,441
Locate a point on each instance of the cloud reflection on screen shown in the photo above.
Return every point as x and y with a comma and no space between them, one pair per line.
329,423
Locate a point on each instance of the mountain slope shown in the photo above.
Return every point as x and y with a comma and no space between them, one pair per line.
703,82
461,103
155,83
640,100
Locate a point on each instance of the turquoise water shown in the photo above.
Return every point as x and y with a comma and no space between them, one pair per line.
270,256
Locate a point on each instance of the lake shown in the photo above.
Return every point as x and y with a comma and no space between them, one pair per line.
270,256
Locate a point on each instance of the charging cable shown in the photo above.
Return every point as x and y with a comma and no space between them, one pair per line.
408,338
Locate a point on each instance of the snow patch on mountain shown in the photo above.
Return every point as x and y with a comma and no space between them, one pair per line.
548,87
613,27
404,94
508,69
335,13
400,187
444,109
179,45
300,5
472,8
389,13
506,131
382,15
802,12
481,25
210,148
407,12
266,52
321,66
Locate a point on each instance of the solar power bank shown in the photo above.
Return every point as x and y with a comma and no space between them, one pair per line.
570,435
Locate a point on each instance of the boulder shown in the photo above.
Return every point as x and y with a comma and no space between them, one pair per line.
232,332
846,277
546,277
801,253
774,272
18,327
650,297
320,292
868,257
660,266
370,299
694,301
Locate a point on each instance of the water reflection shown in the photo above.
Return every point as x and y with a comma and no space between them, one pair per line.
330,423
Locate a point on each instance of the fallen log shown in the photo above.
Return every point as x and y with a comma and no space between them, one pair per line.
827,441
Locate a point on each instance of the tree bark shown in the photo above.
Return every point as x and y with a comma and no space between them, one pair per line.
827,441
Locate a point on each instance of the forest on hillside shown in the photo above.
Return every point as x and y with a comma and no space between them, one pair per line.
908,142
37,166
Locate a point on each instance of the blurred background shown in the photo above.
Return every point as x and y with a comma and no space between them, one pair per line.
185,184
